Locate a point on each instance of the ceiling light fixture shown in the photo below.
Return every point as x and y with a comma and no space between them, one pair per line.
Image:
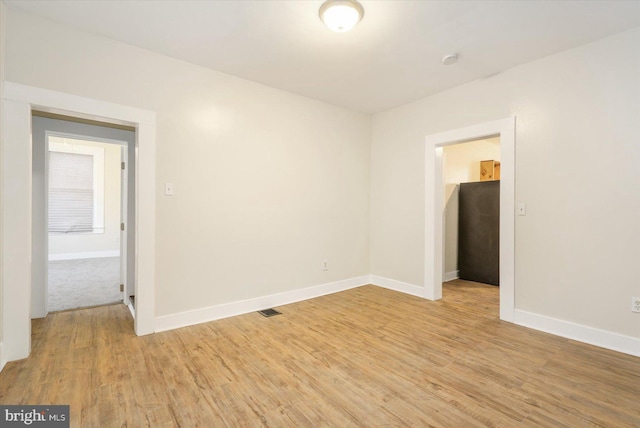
450,59
341,15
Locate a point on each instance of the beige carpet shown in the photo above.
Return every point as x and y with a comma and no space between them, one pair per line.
83,282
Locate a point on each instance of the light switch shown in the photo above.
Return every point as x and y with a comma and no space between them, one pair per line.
168,189
522,209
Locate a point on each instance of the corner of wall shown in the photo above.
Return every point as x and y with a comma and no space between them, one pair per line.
226,310
451,275
402,287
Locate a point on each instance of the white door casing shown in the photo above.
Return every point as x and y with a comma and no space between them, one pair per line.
17,102
434,206
124,185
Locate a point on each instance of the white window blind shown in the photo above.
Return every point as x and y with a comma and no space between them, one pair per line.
71,199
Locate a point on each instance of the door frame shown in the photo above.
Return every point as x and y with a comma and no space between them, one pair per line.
124,199
124,151
434,207
17,103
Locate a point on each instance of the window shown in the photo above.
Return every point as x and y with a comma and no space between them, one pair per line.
76,187
70,192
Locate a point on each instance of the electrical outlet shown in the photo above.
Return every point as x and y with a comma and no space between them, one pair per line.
635,304
325,265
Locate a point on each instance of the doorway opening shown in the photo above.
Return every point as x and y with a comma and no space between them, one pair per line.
83,202
471,220
471,211
435,207
84,218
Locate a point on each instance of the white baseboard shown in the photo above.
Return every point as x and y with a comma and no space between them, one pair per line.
581,333
578,332
131,309
212,313
604,339
450,276
84,255
3,362
402,287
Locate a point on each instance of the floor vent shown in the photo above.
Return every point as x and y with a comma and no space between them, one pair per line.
269,312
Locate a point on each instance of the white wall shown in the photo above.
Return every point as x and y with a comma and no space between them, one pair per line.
267,184
109,240
461,164
577,157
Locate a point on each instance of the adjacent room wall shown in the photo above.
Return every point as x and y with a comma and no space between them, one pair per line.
267,184
461,164
577,157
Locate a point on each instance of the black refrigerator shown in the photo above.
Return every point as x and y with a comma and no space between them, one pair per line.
479,232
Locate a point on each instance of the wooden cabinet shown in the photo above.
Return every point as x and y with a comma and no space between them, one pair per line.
489,170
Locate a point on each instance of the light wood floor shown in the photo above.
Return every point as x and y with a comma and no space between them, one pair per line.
365,357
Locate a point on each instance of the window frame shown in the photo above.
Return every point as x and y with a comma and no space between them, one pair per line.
67,145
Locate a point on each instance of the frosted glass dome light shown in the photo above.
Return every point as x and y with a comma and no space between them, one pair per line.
341,15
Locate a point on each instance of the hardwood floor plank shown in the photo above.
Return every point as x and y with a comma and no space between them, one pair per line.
362,358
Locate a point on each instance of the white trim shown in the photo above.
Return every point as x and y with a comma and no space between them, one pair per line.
18,101
3,362
124,219
434,187
16,192
85,138
602,338
48,101
145,224
130,306
450,276
225,310
84,255
402,287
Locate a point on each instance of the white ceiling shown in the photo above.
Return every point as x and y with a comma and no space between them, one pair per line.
392,57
